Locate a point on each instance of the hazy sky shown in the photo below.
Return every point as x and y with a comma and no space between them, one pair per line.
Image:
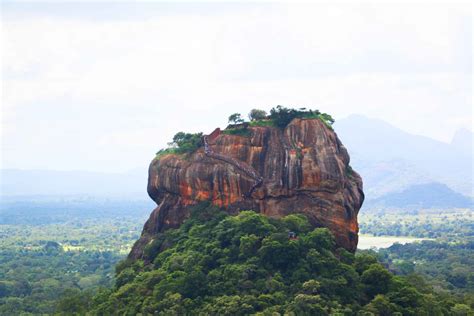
104,86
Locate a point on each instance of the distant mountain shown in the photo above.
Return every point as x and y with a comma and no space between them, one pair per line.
430,195
390,160
14,182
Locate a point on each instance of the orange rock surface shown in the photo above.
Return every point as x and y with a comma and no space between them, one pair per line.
305,169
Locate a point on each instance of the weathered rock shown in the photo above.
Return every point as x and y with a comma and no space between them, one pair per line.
305,169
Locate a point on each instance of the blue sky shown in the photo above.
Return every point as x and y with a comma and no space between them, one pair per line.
103,86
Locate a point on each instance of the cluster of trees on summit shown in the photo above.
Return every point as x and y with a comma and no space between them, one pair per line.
249,264
279,117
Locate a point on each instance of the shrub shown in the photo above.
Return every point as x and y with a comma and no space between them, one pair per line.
236,119
182,143
263,123
256,115
237,131
282,116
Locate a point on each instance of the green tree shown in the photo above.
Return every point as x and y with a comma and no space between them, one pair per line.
187,142
381,306
297,223
257,114
376,280
363,261
462,310
304,304
320,238
74,302
235,119
311,287
327,118
282,116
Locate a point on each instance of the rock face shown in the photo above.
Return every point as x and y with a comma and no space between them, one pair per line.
301,169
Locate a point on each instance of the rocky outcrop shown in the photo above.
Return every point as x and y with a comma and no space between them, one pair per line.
303,168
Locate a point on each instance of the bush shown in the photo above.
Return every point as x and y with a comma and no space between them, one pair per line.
236,119
182,143
245,132
256,115
263,123
282,116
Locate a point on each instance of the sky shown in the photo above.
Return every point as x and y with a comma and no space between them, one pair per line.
103,86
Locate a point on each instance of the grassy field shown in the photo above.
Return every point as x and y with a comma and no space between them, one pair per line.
369,241
452,224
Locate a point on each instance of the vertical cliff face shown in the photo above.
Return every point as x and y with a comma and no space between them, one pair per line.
303,168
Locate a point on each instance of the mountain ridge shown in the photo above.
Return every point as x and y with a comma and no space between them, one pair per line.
374,143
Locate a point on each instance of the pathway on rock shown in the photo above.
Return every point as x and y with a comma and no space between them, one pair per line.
248,170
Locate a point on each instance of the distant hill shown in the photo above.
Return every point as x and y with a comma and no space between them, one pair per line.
390,159
429,195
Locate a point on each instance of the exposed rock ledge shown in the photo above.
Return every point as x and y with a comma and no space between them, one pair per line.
301,169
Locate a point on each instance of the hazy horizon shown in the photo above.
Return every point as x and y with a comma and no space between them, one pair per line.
140,168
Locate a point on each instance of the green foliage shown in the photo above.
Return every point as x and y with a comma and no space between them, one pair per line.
450,225
445,265
262,123
326,118
73,301
238,131
58,266
296,223
462,310
376,280
380,305
282,116
32,280
237,127
235,118
216,264
256,115
182,143
279,117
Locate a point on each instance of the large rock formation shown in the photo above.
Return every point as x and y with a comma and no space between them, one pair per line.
303,168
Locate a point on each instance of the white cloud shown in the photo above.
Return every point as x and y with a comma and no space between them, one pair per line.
128,84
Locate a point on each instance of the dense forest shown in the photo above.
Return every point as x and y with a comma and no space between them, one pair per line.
445,224
447,266
31,280
62,257
53,248
217,264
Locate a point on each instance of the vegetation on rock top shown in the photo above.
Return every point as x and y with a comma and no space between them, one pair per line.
279,116
182,143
